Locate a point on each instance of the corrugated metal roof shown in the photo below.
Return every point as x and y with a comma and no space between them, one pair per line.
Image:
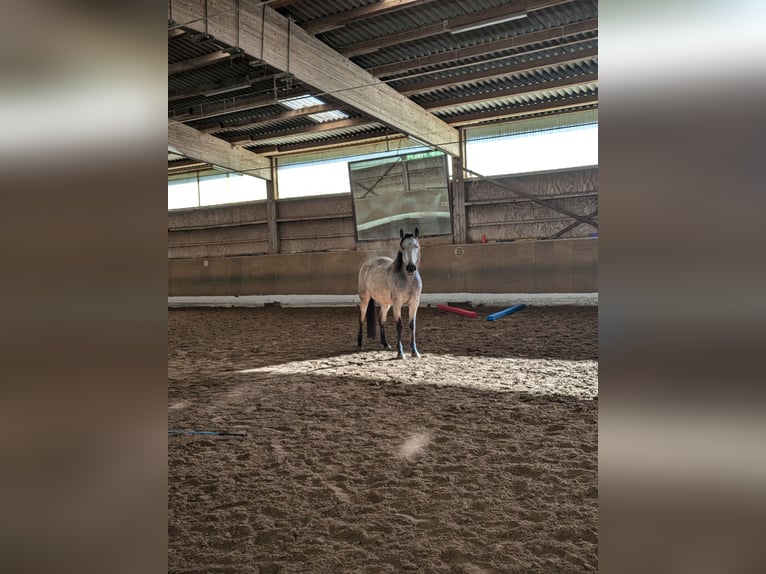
449,88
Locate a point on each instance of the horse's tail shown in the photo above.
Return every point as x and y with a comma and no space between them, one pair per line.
371,319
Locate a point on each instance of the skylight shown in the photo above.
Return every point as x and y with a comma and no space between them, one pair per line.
309,101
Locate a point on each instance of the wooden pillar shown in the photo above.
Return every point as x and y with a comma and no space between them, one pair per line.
457,190
272,192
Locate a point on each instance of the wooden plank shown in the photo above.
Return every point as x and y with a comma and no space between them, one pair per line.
199,62
322,207
265,34
531,197
192,143
218,216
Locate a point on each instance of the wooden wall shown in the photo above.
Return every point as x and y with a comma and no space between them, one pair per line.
492,207
326,223
556,266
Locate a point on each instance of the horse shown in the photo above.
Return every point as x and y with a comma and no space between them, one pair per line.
392,283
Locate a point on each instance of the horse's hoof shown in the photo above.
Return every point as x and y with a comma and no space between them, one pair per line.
387,347
401,356
415,354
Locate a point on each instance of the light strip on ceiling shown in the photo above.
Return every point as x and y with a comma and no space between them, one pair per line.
498,20
227,89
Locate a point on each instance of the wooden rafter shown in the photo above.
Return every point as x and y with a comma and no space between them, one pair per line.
199,62
343,141
316,128
274,4
286,115
559,32
339,20
368,46
203,89
515,111
230,106
574,81
499,72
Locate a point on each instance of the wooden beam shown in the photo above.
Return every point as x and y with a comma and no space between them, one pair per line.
230,106
572,82
203,89
548,106
286,115
338,142
274,4
367,46
316,128
199,62
519,41
355,14
457,191
500,72
193,144
267,35
272,193
175,33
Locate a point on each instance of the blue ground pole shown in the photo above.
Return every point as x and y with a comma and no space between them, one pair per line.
504,312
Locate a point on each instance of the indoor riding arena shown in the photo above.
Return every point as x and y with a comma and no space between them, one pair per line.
308,139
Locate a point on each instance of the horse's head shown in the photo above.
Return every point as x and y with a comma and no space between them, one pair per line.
409,249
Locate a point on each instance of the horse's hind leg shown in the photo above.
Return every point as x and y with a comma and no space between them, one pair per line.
383,314
363,301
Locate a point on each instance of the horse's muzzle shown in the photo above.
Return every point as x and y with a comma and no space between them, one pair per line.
411,268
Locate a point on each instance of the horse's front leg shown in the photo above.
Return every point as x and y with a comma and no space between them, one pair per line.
398,317
383,314
413,314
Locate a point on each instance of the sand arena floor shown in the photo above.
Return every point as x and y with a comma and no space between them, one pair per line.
479,457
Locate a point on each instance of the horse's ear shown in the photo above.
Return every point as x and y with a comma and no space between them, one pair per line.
401,233
417,233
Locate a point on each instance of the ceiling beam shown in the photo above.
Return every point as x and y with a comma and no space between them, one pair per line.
286,115
574,81
202,89
341,141
355,14
513,111
500,72
199,62
518,7
274,4
193,144
316,128
291,49
233,105
549,34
